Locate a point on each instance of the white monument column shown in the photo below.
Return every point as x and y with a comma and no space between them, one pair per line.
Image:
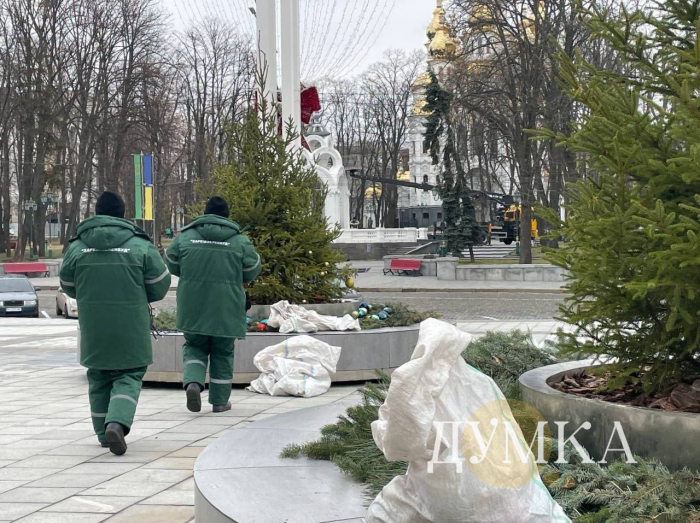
266,19
291,64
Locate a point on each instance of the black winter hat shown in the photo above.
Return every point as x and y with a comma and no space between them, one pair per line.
110,204
218,206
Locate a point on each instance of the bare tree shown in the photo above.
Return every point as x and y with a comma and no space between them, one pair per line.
387,86
215,75
506,84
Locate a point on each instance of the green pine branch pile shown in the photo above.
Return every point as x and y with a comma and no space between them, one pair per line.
624,493
401,316
633,221
504,357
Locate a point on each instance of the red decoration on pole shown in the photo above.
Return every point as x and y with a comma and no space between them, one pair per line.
310,103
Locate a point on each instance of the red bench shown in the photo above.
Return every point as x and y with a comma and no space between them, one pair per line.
400,266
26,268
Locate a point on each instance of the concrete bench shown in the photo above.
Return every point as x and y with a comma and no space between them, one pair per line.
241,477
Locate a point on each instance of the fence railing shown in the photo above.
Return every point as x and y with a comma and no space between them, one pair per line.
407,235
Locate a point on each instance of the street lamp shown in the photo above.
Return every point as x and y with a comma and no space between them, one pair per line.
50,200
30,206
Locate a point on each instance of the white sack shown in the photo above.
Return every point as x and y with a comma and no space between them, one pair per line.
294,318
438,385
300,366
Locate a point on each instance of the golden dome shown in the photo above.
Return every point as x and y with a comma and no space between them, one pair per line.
422,81
373,192
419,108
402,174
437,22
443,45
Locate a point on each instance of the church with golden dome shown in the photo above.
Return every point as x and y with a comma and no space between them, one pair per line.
417,207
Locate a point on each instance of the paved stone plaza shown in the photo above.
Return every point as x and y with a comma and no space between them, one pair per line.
53,471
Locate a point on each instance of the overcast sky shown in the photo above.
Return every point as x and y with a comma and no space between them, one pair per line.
403,28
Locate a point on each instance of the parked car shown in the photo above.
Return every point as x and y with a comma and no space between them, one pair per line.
18,297
65,305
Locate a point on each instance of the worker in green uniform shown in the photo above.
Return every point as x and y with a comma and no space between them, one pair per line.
213,260
114,272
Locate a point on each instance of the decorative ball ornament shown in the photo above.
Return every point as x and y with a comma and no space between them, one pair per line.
349,283
388,310
327,264
303,301
311,252
375,317
362,312
365,305
323,273
355,314
383,315
262,327
264,322
247,320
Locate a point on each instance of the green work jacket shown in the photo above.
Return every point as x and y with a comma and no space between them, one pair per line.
213,260
114,272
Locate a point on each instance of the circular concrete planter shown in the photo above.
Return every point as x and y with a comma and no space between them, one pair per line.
363,352
670,437
240,478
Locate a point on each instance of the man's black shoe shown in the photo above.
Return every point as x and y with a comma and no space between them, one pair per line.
114,434
221,408
194,397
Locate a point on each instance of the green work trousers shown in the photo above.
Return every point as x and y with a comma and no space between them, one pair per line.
217,353
114,395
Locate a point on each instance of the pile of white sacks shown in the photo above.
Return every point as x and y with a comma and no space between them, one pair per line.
302,365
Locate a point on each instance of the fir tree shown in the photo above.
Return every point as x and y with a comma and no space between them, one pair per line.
276,195
633,224
462,231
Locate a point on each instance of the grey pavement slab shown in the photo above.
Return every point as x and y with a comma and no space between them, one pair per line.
61,480
99,504
154,514
53,517
180,495
14,511
38,494
127,489
9,485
